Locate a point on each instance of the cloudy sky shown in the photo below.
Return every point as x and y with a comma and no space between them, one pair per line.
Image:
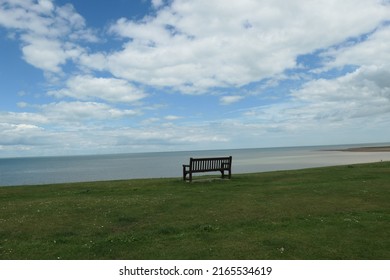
112,76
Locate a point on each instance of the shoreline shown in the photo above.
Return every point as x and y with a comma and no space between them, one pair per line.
362,149
57,170
180,178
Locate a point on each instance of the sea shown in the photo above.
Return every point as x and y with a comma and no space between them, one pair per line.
68,169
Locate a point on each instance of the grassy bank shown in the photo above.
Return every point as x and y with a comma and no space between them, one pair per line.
322,213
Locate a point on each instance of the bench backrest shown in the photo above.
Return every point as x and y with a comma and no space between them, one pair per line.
210,164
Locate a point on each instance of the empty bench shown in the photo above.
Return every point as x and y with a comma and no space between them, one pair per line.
200,165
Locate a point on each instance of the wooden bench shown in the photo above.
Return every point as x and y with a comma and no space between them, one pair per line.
199,165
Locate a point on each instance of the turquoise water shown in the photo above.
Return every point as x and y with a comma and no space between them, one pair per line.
47,170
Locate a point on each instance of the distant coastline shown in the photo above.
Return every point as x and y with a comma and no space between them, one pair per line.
363,149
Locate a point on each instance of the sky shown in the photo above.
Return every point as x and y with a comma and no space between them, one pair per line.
124,76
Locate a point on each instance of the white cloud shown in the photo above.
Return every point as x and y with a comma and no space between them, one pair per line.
44,54
157,3
46,5
172,118
62,128
16,118
355,107
375,50
196,45
363,93
21,135
108,89
64,112
170,137
48,33
227,100
81,138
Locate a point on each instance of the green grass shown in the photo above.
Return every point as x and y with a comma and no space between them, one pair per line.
338,212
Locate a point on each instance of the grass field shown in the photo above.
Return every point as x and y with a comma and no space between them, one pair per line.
338,212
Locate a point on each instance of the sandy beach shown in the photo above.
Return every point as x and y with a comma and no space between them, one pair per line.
365,149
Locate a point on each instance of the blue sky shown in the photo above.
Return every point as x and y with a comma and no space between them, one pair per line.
117,76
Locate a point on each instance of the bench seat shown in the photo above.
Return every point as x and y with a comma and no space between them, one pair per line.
200,165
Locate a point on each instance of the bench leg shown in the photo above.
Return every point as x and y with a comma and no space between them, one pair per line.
229,174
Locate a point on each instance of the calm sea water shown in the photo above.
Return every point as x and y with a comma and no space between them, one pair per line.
47,170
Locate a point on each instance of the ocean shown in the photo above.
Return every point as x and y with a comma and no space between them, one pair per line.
67,169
